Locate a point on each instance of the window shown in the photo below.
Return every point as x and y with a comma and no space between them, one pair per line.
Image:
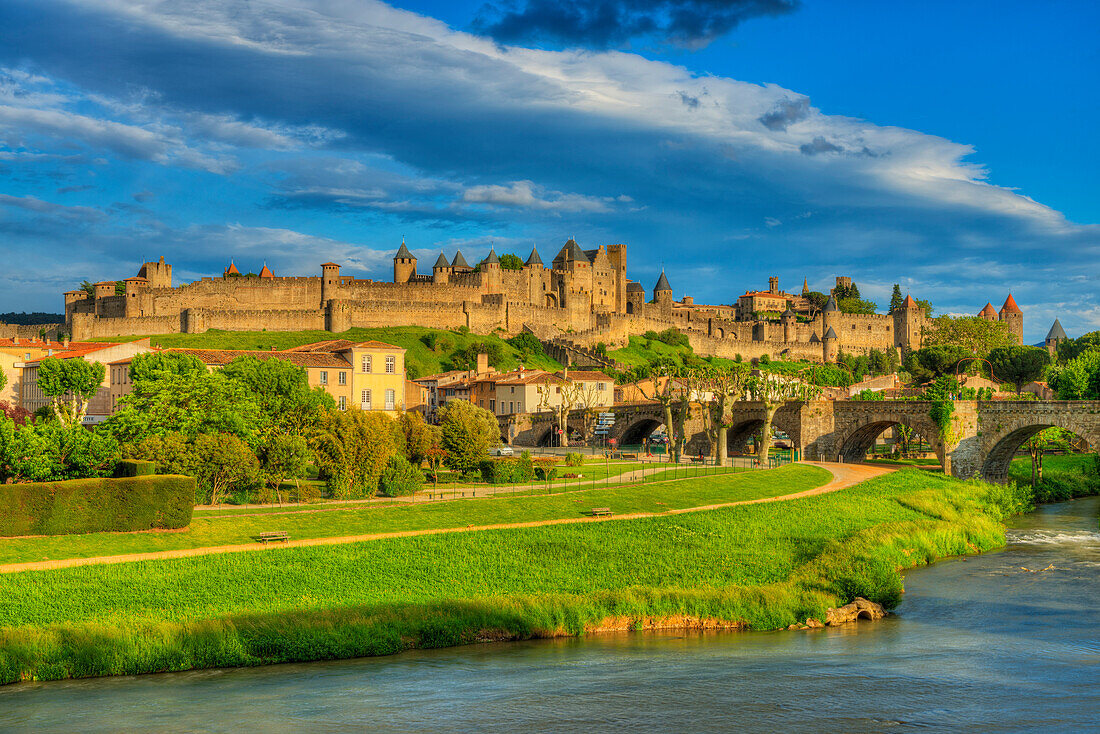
366,363
343,378
389,400
601,386
492,406
513,390
343,402
511,407
365,400
391,364
324,378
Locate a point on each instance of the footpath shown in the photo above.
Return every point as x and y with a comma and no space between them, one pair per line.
844,476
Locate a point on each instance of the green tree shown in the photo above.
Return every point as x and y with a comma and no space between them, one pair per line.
775,391
974,334
467,432
1079,378
511,261
929,363
282,392
527,344
896,300
49,451
283,457
1072,348
419,436
725,385
817,300
1018,365
151,365
88,287
400,478
855,304
171,453
223,462
352,448
70,384
191,405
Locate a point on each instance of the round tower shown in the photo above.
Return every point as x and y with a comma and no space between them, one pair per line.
330,282
830,349
441,271
1055,336
1011,315
662,292
789,320
490,272
404,265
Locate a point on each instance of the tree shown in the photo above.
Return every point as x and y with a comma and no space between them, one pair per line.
567,394
855,304
3,379
151,365
527,344
50,451
352,448
419,436
1045,440
1018,365
928,363
511,261
1079,378
1072,348
282,392
70,384
222,462
775,391
974,334
725,385
400,478
191,405
15,413
661,389
467,432
817,300
896,300
88,287
282,458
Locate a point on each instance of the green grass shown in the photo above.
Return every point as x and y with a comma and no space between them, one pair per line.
419,355
764,566
317,521
1064,476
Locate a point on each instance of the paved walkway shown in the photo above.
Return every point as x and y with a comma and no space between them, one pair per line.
844,476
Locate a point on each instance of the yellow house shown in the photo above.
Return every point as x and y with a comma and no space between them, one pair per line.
378,376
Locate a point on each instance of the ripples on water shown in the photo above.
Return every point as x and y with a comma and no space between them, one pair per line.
989,644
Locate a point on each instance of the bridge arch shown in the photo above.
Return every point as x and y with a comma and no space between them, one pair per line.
1009,434
854,443
638,430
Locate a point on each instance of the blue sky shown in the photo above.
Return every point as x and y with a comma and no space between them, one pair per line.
950,147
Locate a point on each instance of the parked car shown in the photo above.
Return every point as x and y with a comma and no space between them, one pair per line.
501,451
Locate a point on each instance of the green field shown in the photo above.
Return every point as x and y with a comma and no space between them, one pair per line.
420,356
319,521
764,566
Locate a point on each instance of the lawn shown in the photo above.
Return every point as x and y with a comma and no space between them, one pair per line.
764,566
422,359
319,521
1064,476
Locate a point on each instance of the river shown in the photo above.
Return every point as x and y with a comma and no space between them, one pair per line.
979,644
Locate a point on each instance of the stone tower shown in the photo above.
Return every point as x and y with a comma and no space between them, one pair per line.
156,274
988,313
490,272
1011,314
662,292
830,349
441,271
1055,336
635,297
773,284
330,282
404,265
830,316
789,320
908,324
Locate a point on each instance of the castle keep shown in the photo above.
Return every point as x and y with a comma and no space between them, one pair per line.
583,297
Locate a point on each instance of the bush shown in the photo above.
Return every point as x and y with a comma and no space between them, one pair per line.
546,469
467,432
508,471
400,478
96,505
223,464
353,448
135,468
574,459
49,451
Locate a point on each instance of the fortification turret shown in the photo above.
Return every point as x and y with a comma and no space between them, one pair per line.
830,348
830,315
231,271
662,292
1055,336
1011,314
533,260
157,274
988,313
805,287
459,264
789,321
490,272
265,272
330,282
404,264
133,286
908,324
635,297
441,271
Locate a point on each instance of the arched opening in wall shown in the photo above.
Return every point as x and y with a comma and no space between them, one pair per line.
549,437
721,333
889,439
551,300
742,438
629,307
637,433
1034,445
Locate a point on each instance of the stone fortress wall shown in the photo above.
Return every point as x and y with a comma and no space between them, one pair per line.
582,298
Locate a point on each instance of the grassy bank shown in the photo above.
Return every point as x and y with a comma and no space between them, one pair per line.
1064,477
760,566
209,529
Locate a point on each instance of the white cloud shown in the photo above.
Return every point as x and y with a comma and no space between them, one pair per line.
525,194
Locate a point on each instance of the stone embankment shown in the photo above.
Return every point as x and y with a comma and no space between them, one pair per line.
859,608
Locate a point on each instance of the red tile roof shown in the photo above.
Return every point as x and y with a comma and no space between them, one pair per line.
332,345
1010,305
909,302
221,357
583,376
988,310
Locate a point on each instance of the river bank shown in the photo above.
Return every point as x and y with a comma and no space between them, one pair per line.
757,567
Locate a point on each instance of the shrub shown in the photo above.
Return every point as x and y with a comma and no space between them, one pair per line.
17,414
400,478
47,451
507,471
467,433
96,505
574,459
223,463
352,450
546,469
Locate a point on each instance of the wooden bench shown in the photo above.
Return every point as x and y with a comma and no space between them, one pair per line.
628,456
282,535
697,459
600,512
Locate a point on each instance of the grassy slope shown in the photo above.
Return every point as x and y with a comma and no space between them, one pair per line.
207,530
1064,477
764,566
409,337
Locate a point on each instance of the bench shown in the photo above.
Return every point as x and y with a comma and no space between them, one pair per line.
628,456
697,459
600,512
273,535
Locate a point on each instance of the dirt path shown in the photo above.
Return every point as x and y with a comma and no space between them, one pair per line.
844,476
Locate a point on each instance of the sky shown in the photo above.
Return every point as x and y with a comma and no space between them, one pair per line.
950,147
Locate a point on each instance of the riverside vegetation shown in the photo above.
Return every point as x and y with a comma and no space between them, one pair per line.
755,567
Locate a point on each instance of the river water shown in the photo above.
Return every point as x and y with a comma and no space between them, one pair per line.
979,644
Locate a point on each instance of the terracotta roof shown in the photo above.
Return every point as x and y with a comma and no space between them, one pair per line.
330,265
376,345
332,345
530,377
768,293
232,269
221,357
81,350
909,302
265,272
988,310
1010,305
24,342
586,376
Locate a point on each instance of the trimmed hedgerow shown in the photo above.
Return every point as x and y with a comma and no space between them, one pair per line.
508,471
96,505
135,468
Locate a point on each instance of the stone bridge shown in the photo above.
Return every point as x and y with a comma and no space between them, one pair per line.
985,434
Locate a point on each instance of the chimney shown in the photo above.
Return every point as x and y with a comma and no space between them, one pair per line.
482,363
65,340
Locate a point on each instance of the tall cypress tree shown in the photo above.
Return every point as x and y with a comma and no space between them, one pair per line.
895,299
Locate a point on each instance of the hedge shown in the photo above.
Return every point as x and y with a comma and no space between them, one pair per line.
507,471
135,468
96,505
